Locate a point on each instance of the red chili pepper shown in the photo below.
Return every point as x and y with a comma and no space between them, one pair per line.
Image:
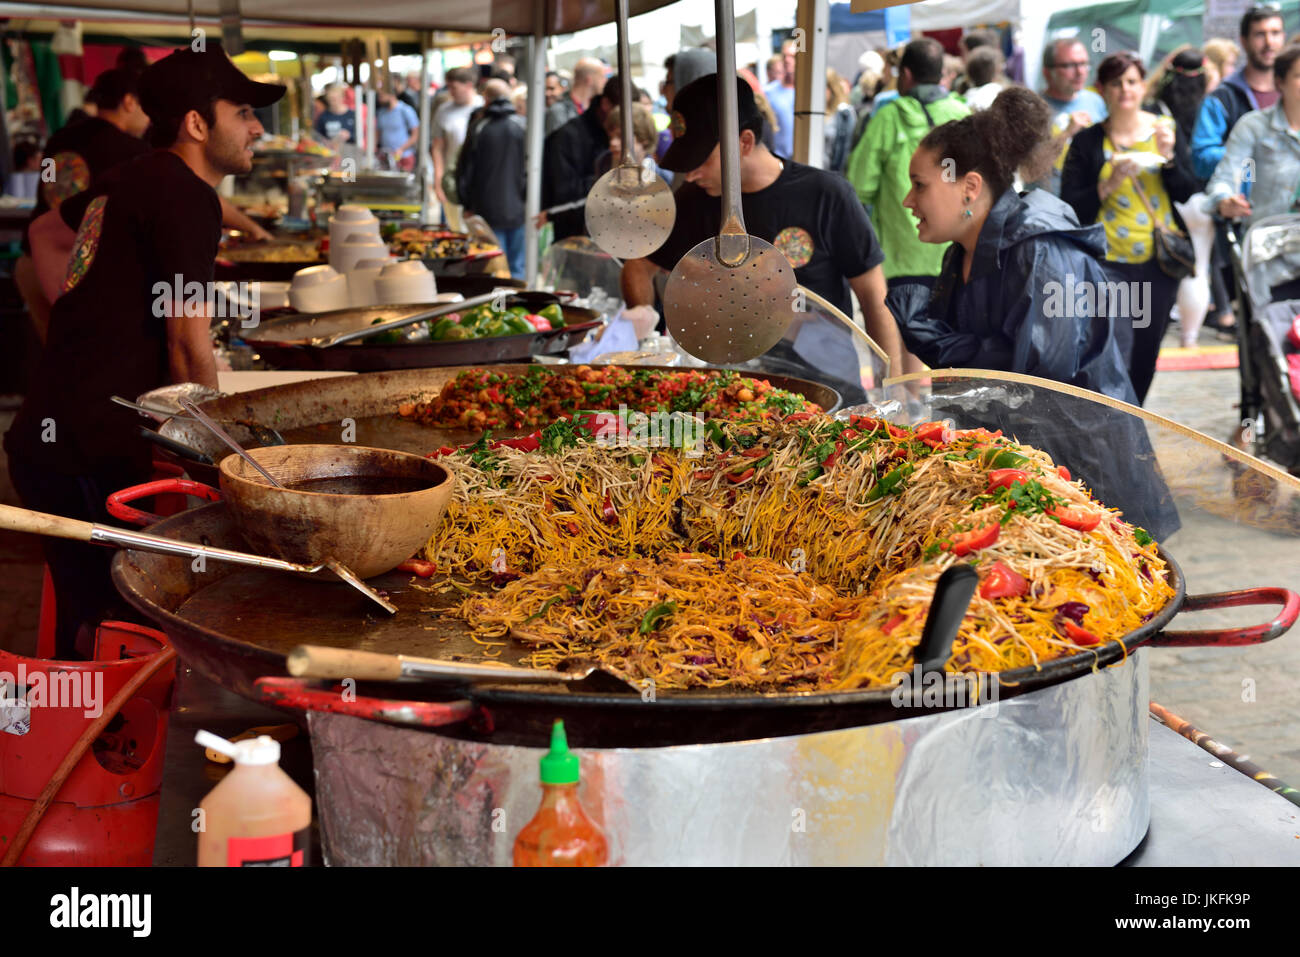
1080,636
897,433
830,460
931,433
892,624
1062,471
1002,582
1005,478
963,543
799,417
527,443
1075,518
444,450
864,422
572,528
755,453
418,567
742,477
848,435
704,474
737,556
607,511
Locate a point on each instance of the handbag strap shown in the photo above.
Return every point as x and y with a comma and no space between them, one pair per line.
1155,224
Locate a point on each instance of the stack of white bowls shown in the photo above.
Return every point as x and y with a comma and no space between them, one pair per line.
319,289
361,281
404,282
347,221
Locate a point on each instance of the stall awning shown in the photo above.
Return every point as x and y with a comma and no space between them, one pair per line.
513,16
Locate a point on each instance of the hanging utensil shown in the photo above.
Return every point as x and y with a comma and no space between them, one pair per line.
731,298
338,568
57,526
952,596
315,661
630,210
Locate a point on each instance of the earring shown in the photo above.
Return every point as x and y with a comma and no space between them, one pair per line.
966,213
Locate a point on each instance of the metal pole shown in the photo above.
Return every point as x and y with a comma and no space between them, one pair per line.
423,157
537,44
371,138
813,17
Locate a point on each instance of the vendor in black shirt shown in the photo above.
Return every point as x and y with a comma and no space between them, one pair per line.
148,224
812,216
81,153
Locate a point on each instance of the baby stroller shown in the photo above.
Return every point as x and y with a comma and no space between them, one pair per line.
1266,262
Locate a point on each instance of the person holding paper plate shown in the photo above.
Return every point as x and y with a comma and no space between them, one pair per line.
1123,174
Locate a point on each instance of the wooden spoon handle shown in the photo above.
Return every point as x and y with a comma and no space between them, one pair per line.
314,661
39,523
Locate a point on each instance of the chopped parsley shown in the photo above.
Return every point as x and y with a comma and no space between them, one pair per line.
1141,536
1021,498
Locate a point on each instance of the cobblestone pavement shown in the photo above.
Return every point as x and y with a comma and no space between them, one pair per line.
1247,698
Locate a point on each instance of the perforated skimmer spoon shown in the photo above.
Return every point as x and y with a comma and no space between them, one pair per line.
731,298
630,210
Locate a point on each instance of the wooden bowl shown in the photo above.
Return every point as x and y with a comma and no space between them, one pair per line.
374,509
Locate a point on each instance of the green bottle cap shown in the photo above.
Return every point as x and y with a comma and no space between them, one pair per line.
560,765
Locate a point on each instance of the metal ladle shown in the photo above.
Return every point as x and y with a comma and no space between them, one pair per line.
630,210
731,298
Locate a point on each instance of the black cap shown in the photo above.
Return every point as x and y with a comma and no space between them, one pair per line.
187,79
695,121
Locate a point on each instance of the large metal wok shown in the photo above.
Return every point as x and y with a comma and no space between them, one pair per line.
363,409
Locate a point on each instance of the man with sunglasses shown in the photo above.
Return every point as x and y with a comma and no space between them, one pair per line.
1250,88
1074,108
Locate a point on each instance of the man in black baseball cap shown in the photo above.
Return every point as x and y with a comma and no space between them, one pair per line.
813,217
128,265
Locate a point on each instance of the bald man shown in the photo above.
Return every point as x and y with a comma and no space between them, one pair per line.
588,81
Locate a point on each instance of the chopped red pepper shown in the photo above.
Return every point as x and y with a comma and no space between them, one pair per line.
607,511
799,417
892,624
897,433
1062,471
1005,478
418,567
830,460
527,443
963,543
1002,582
572,528
741,477
754,453
704,474
1079,635
1075,518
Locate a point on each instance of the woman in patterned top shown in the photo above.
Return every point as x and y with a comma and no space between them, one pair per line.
1120,173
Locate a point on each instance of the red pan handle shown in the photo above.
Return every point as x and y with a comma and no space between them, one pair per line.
1223,637
118,508
297,694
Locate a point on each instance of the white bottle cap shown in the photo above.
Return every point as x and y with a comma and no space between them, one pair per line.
260,750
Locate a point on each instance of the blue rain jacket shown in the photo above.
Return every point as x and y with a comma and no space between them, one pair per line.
1026,306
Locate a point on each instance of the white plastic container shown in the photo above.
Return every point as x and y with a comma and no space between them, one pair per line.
256,816
356,247
361,281
405,282
318,289
351,219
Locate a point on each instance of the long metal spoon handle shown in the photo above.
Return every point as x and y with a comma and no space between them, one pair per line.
433,312
625,81
141,541
221,433
733,239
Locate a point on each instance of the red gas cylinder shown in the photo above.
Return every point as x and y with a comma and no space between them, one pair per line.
106,812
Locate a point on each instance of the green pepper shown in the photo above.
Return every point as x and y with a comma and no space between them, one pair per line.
496,327
386,338
439,329
545,605
1004,459
813,474
715,433
765,460
651,620
890,483
517,324
554,314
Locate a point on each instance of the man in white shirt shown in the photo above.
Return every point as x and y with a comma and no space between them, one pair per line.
447,132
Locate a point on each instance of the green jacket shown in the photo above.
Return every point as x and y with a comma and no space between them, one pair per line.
878,171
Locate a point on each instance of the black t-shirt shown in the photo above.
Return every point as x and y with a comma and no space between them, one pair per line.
147,221
82,152
812,216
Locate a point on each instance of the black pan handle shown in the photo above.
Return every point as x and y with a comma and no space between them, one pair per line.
178,448
952,595
1226,637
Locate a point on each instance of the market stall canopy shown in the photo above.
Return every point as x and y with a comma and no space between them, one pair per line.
945,14
512,16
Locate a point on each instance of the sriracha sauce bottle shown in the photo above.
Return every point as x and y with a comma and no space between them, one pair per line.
560,833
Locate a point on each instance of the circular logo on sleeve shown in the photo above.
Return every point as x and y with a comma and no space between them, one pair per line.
677,123
795,244
83,251
71,176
